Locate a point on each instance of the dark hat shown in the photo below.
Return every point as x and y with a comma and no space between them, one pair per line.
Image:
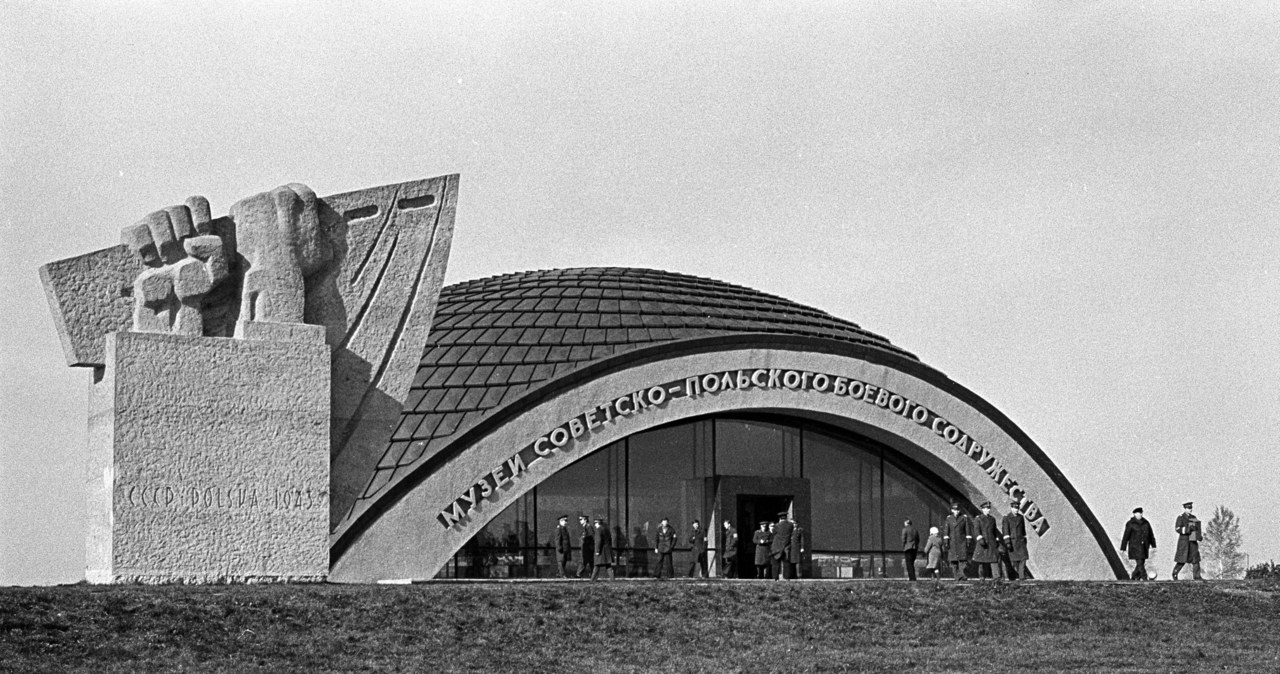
783,514
1137,510
1187,504
1015,502
955,506
985,504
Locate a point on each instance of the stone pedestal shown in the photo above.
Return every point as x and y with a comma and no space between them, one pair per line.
209,459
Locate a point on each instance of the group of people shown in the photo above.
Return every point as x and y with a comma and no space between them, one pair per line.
981,540
779,547
1140,539
595,547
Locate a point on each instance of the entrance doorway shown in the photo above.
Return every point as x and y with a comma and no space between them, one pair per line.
752,510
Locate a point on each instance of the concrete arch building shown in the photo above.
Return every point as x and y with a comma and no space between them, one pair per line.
631,395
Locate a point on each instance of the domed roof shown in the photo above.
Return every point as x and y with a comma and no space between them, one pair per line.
494,339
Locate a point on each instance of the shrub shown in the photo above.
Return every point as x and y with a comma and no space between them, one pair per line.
1263,571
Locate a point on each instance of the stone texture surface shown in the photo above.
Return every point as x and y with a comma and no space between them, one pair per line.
495,339
366,266
208,461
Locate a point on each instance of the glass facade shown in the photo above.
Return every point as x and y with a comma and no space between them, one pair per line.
859,493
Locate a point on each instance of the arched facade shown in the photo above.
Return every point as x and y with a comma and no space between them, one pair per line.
532,376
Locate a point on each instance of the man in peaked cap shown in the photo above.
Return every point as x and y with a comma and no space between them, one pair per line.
780,550
564,545
956,535
1140,540
1014,529
1188,552
986,539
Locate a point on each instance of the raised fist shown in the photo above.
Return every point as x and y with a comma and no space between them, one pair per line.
185,260
280,238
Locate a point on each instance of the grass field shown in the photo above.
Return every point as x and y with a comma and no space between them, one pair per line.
718,626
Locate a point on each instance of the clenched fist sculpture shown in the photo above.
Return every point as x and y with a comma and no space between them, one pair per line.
273,238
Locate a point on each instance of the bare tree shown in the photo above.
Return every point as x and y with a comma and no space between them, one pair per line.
1222,544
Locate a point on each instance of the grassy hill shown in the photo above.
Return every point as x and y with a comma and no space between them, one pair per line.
748,626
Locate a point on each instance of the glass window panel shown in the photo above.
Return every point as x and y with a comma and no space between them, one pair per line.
844,483
754,448
660,474
908,498
503,548
582,488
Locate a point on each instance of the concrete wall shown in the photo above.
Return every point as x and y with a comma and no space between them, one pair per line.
414,536
209,460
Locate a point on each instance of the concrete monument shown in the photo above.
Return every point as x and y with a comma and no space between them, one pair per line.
248,370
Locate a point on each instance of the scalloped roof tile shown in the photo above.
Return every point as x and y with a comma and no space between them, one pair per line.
494,338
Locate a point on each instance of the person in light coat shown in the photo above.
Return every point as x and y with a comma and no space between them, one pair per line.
933,552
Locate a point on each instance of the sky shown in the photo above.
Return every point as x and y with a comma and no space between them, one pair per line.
1068,207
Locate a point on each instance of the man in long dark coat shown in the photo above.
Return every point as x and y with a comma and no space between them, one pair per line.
1014,529
665,544
603,551
1188,552
698,543
910,545
729,551
763,540
796,553
587,543
985,537
1140,540
956,535
564,545
780,549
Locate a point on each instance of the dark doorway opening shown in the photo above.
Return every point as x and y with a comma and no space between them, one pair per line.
752,510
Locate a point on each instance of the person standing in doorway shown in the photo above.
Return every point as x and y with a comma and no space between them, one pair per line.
665,544
780,550
1140,540
698,543
763,540
603,551
957,533
1188,552
564,545
587,544
729,551
1014,528
910,545
796,554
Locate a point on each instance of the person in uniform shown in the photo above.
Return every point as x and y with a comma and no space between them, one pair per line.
797,551
956,535
910,546
729,551
698,543
665,544
1188,552
933,553
780,549
1014,529
564,546
986,537
1140,540
587,543
603,551
762,540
